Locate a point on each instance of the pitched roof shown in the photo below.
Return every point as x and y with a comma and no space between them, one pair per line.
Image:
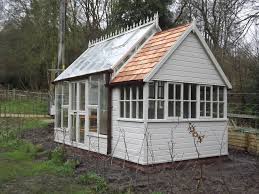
104,55
149,55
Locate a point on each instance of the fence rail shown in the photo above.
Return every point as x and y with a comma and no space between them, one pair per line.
19,103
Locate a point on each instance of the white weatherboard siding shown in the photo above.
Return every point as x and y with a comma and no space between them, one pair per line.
92,143
127,136
215,142
189,63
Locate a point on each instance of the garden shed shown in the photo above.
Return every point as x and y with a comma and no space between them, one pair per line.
132,95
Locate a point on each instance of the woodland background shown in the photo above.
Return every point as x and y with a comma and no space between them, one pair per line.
29,34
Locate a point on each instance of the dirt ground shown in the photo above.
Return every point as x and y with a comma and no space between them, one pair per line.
237,173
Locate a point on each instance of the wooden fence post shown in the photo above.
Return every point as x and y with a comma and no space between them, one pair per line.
13,93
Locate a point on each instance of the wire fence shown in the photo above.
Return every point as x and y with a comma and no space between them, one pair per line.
19,103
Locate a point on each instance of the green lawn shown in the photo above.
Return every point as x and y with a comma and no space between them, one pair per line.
24,107
22,169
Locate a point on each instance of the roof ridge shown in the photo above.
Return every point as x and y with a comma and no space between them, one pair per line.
175,28
116,33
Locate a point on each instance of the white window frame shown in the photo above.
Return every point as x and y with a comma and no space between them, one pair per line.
130,100
174,100
205,101
156,100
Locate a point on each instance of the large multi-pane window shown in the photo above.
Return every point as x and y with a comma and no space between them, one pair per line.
182,101
156,100
131,102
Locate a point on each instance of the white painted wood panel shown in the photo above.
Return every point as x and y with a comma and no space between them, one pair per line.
127,136
163,134
189,63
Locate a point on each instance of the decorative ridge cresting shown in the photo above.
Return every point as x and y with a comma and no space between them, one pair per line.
122,31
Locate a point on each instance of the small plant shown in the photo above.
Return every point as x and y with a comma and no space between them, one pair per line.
57,156
96,181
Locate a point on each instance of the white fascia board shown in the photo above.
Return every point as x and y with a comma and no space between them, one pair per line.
178,43
212,57
168,54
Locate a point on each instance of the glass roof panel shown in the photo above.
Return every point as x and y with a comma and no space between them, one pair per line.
102,56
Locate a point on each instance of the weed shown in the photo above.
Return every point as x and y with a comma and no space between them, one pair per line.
93,179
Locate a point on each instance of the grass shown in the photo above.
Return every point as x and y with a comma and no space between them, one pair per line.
22,170
28,106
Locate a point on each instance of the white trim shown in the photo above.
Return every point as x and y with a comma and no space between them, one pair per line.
177,44
131,120
212,57
186,120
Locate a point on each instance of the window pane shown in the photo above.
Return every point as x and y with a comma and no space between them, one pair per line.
74,95
215,110
171,108
193,110
82,96
151,109
121,109
140,110
134,92
82,128
160,109
221,110
140,92
73,128
65,93
207,108
221,93
58,102
93,92
103,121
134,109
151,87
208,93
65,117
127,109
127,93
193,91
185,109
160,93
93,120
122,93
202,92
185,91
170,91
215,93
202,107
178,92
178,109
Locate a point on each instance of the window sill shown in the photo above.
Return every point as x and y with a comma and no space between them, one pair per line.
186,120
91,134
130,120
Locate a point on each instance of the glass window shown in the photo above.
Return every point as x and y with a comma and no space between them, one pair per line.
205,101
73,128
74,96
82,96
156,103
132,105
93,90
218,102
82,128
58,104
103,116
65,93
151,109
65,118
151,87
93,120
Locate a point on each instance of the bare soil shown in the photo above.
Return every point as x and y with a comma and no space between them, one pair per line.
236,173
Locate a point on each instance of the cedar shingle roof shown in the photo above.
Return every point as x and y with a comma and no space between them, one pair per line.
149,55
